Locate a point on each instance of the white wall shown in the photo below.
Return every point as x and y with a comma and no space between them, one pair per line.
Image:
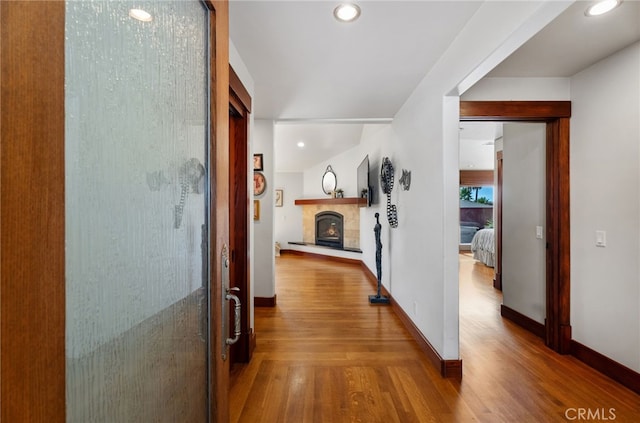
288,218
376,142
524,208
346,174
263,242
424,248
240,68
532,89
605,195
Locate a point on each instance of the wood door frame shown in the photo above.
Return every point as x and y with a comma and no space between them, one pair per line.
556,115
219,201
32,231
497,278
239,110
32,219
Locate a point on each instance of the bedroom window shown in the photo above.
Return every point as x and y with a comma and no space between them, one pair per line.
476,210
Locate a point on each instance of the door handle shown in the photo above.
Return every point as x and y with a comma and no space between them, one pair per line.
236,310
227,295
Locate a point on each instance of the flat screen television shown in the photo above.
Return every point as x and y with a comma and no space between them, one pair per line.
365,190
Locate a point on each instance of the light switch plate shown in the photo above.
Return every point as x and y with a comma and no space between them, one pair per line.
601,238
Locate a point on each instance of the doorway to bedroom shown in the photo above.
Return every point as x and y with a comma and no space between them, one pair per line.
477,147
542,159
518,266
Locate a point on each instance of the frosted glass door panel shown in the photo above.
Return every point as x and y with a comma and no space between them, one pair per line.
136,207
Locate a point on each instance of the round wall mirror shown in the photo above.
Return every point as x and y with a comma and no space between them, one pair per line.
329,181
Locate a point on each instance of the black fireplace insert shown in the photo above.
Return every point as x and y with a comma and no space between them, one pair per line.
330,229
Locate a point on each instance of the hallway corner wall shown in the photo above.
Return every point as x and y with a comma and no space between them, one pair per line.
263,240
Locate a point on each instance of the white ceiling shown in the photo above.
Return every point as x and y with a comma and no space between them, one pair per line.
307,66
573,42
477,141
321,142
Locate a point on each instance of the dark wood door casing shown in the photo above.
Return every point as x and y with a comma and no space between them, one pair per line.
556,115
497,278
476,178
219,207
239,109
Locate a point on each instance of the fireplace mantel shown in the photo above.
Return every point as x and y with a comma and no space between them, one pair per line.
331,201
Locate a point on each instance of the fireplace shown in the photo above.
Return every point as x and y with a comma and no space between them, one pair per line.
330,229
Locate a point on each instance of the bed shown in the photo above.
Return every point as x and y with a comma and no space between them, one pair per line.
483,247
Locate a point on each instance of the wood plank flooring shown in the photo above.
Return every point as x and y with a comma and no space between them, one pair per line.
324,354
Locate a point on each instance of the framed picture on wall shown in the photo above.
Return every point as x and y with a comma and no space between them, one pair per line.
279,198
259,183
258,162
256,209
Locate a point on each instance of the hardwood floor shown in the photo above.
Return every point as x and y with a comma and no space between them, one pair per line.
325,355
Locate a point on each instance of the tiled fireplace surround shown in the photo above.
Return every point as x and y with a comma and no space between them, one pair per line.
351,219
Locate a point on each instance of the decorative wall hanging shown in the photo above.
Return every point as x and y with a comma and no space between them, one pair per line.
405,179
258,162
256,209
259,183
279,198
386,179
329,181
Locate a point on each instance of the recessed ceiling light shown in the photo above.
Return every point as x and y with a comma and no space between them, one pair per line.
602,7
300,144
346,12
141,15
